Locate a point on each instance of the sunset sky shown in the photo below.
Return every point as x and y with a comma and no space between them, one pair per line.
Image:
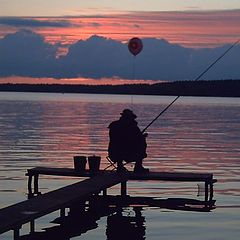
76,7
191,24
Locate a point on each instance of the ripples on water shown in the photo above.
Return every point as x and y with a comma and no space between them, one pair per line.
196,134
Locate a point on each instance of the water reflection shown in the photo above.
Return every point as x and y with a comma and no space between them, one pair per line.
122,225
125,217
196,134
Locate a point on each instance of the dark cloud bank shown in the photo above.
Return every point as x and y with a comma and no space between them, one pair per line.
25,22
25,53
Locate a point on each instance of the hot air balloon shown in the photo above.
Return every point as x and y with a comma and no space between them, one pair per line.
135,46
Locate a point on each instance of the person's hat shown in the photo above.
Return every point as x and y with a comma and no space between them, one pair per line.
128,113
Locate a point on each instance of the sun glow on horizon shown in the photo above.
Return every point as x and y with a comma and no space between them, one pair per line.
73,81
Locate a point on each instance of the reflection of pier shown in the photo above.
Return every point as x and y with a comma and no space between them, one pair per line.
84,201
125,217
120,226
121,223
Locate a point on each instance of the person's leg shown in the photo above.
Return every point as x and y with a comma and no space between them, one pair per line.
120,166
138,163
139,167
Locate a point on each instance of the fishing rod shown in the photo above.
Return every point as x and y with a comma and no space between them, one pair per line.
197,78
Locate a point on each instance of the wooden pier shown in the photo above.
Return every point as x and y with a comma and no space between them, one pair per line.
13,217
206,178
38,205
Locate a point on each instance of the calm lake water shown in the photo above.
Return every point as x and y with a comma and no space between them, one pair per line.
195,134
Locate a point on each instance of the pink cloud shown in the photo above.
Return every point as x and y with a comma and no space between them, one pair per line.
188,28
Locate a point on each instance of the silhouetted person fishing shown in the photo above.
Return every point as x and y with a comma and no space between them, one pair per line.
127,142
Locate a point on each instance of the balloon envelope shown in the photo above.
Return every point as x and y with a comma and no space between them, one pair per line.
135,46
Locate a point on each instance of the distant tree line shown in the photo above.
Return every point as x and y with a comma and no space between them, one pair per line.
214,88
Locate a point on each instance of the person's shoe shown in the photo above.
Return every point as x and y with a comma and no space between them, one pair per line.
141,169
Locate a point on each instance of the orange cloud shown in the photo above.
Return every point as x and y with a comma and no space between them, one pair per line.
189,28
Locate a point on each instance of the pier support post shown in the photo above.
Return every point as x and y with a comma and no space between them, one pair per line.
36,190
30,193
206,191
32,226
123,188
62,212
105,192
16,233
211,192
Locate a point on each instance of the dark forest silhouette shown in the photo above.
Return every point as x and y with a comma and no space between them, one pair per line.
218,88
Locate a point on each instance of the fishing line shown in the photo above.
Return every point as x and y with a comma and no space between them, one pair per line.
197,78
135,46
133,75
134,68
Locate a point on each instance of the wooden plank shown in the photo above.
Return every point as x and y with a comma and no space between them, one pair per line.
13,216
172,176
164,176
57,172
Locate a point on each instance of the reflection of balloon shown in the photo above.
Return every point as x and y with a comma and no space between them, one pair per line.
135,46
